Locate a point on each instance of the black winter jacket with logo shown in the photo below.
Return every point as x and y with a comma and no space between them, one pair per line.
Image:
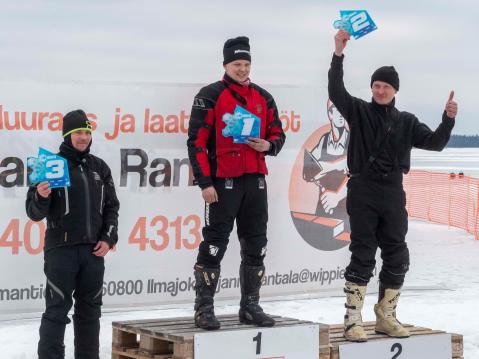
369,123
85,212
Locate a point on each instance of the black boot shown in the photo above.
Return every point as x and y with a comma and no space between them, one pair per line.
87,338
206,281
250,311
51,344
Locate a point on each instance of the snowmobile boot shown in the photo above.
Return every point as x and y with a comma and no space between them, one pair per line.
250,311
205,287
385,309
353,320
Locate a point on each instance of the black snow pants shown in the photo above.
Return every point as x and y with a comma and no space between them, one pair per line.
376,205
243,199
72,272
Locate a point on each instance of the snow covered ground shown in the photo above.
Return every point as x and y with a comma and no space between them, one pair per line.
442,292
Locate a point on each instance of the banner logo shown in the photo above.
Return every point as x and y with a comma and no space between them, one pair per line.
317,192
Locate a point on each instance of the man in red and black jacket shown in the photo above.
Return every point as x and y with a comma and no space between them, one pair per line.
231,175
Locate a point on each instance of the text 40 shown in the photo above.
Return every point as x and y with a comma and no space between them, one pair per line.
33,236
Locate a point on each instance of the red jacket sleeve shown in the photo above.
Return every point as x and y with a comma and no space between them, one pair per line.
274,129
199,131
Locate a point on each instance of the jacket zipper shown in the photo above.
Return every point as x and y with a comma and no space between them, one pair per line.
87,202
67,201
101,200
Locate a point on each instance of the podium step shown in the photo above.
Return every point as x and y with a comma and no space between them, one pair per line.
173,338
337,339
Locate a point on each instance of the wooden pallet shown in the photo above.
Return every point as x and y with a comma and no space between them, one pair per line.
174,338
336,338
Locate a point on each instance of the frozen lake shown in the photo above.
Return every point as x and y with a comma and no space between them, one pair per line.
449,160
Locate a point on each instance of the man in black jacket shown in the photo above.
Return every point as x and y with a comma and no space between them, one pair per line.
379,153
82,224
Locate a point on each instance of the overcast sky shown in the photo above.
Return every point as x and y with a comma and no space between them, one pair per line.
432,44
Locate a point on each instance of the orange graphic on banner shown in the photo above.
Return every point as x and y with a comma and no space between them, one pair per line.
321,228
317,191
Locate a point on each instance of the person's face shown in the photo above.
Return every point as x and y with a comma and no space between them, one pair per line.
238,70
81,140
335,117
383,93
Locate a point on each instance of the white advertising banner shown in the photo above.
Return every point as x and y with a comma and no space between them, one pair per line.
141,131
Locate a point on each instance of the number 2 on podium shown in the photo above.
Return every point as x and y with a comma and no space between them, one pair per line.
397,346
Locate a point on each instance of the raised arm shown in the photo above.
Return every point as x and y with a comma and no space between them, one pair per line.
338,94
427,139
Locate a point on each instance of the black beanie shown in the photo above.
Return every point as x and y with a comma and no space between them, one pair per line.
386,74
236,49
75,121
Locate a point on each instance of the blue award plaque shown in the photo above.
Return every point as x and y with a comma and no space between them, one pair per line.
49,167
357,22
241,125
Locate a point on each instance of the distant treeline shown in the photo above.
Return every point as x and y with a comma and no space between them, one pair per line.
463,141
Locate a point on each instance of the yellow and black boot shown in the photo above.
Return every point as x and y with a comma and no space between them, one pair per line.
353,320
205,287
385,309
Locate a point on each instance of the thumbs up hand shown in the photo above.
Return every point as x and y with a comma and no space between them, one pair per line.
451,106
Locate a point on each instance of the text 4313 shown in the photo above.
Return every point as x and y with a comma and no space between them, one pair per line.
161,233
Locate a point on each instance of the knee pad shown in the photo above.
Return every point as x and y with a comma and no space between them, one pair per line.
253,251
211,253
393,276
